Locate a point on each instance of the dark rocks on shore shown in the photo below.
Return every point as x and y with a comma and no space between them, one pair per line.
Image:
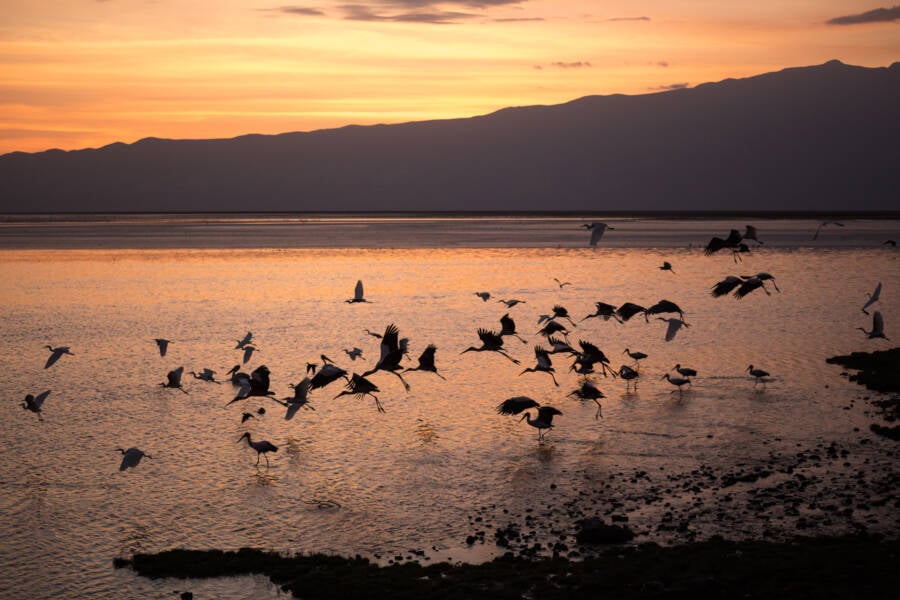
878,370
595,531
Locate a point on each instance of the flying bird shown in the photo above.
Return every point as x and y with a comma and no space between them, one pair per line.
877,330
750,233
597,230
512,302
589,391
55,353
628,310
667,266
763,276
243,342
392,352
873,298
361,387
238,377
552,327
256,385
248,352
327,373
262,447
426,361
891,243
490,342
557,346
508,327
173,379
246,416
353,354
485,296
716,243
357,294
825,224
726,286
544,364
131,457
661,307
589,356
34,403
675,324
759,374
604,311
517,404
205,375
299,400
750,284
561,284
560,312
162,344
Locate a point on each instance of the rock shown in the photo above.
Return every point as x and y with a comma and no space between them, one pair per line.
595,531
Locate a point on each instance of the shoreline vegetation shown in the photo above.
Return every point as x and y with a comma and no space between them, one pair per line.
856,566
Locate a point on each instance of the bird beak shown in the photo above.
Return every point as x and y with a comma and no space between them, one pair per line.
523,417
663,377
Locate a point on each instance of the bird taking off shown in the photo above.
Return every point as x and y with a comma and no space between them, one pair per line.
206,375
299,400
544,364
490,342
357,294
131,457
561,284
517,404
877,330
244,341
55,353
34,403
604,311
597,230
173,379
589,391
825,224
873,298
361,387
162,344
426,361
508,327
392,352
750,233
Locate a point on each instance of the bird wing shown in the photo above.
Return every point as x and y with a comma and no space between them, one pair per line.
248,352
628,310
597,230
725,286
543,357
53,358
390,341
545,413
507,324
301,390
873,298
877,323
39,399
674,326
174,376
426,360
163,346
358,292
515,405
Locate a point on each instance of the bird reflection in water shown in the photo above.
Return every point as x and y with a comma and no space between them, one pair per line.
426,433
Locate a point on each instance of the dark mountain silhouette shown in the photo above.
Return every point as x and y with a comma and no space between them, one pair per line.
816,138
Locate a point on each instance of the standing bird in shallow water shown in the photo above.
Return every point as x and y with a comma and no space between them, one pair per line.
426,361
517,404
877,327
262,447
34,403
759,374
684,371
630,376
637,357
597,230
676,381
173,379
873,298
55,353
131,457
357,294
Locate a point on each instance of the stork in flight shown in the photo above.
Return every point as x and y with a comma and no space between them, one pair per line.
392,352
426,361
55,353
490,342
173,379
597,230
544,364
131,457
34,403
873,298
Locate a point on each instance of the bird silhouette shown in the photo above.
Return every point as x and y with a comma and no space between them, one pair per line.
544,364
561,312
353,354
517,404
685,371
247,416
262,447
561,284
34,403
716,243
391,355
206,375
678,382
873,298
248,352
328,373
299,400
357,294
637,357
630,376
597,230
55,353
759,374
243,342
662,307
589,391
891,243
485,296
749,285
667,266
131,457
508,327
552,327
589,356
675,325
426,361
173,379
877,330
763,276
558,346
490,342
162,345
256,385
604,311
751,233
628,310
825,224
361,387
512,302
726,286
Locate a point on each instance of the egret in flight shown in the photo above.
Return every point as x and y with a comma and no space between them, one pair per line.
512,302
877,330
873,298
173,379
262,447
825,224
34,403
597,230
357,294
248,352
162,344
354,354
485,296
628,310
131,457
561,284
517,404
55,353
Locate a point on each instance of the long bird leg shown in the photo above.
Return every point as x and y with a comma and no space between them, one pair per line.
400,377
553,378
514,361
599,414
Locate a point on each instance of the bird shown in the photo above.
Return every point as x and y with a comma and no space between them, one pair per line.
674,326
666,266
373,334
426,361
246,416
391,354
637,357
750,233
544,364
357,294
628,310
353,354
763,276
604,311
750,284
678,382
243,342
327,373
726,286
738,250
55,353
551,328
663,306
248,352
560,312
512,302
685,371
716,243
508,327
873,298
173,379
825,224
557,346
517,404
490,342
589,391
255,385
630,376
131,457
891,243
759,374
485,296
299,400
262,447
34,403
561,284
162,344
877,330
311,368
597,230
360,387
589,356
206,375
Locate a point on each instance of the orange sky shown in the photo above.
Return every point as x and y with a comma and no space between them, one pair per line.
85,73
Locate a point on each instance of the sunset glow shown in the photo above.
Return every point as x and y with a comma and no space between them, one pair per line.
86,73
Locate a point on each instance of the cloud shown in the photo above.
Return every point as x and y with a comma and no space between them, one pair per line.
295,10
570,65
670,87
628,19
518,19
662,63
361,12
879,15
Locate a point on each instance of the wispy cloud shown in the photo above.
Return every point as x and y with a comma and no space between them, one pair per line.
670,87
295,10
362,12
662,63
628,19
571,65
878,15
519,19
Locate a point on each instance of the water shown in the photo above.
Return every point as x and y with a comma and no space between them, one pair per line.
411,478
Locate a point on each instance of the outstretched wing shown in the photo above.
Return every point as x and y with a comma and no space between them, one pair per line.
877,323
515,405
39,400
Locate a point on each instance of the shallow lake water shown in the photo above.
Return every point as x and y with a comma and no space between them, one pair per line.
348,479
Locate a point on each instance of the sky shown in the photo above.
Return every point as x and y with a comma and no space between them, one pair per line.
86,73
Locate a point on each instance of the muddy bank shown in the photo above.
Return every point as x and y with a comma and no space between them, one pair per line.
845,567
878,371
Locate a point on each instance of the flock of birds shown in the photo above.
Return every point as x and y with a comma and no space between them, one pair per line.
556,326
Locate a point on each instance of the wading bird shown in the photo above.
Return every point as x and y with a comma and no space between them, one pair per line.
357,294
630,376
628,310
517,404
55,353
485,296
162,344
262,447
544,364
299,400
825,224
877,330
256,385
589,356
759,374
873,298
675,324
678,382
243,342
426,361
205,375
131,457
508,327
490,342
637,357
354,354
666,266
392,352
604,311
34,403
597,230
685,371
589,391
173,379
361,387
512,302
